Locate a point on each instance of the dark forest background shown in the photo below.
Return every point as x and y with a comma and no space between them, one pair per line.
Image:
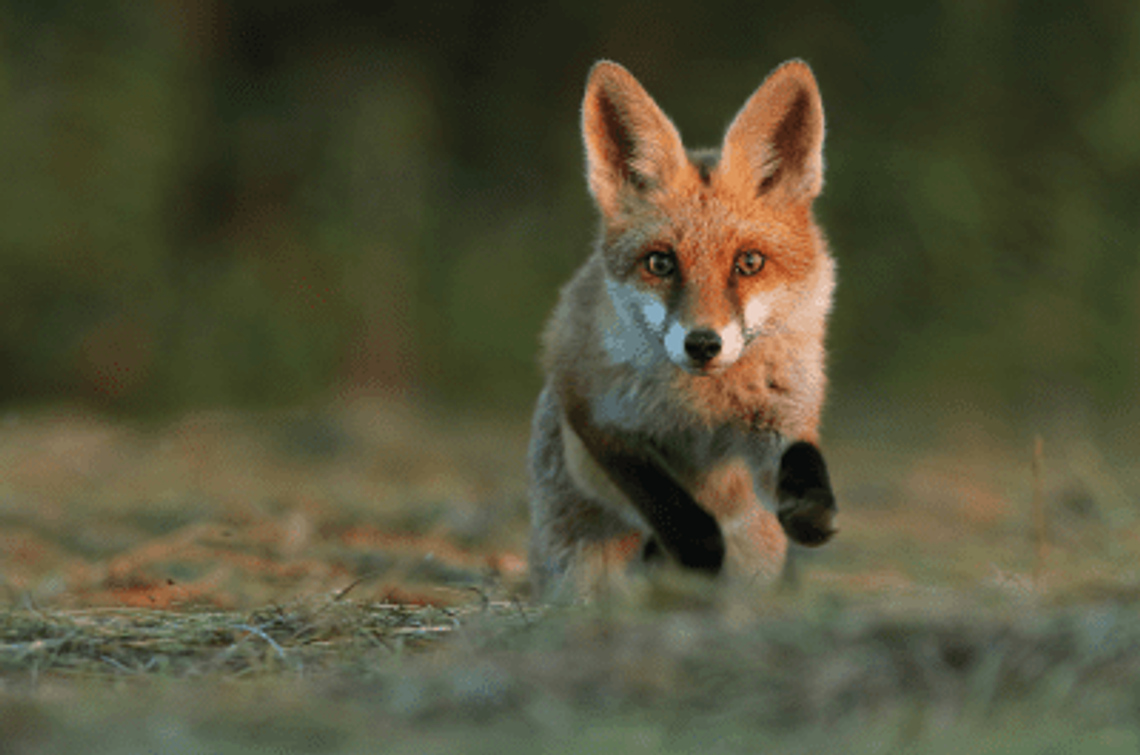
250,203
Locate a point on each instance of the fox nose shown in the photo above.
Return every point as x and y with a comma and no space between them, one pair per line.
702,345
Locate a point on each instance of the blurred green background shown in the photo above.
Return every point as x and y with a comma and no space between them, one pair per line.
217,202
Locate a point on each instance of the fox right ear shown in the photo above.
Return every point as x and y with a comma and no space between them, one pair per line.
632,147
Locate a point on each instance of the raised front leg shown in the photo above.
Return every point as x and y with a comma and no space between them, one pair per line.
803,494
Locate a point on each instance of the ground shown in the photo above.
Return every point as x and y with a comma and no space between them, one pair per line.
342,577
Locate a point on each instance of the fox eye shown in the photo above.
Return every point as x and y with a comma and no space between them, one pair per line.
749,262
660,264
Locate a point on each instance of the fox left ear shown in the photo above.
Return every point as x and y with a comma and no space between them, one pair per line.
775,144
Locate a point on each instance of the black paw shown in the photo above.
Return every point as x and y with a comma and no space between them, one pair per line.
808,520
803,492
702,553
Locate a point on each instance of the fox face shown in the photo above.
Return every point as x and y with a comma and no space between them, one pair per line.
706,252
699,299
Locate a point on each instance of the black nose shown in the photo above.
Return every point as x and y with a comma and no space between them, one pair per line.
702,345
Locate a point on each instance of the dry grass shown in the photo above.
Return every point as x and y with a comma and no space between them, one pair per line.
341,676
301,639
347,581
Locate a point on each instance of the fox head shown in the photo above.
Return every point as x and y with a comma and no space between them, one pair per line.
706,252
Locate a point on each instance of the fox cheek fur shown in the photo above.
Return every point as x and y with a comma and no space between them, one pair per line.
685,359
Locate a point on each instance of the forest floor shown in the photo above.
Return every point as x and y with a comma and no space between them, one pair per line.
352,579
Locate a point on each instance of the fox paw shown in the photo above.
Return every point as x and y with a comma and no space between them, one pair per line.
806,503
808,520
703,554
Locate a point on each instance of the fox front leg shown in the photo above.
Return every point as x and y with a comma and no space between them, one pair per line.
806,504
680,527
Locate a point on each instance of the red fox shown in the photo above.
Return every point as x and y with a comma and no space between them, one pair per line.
685,359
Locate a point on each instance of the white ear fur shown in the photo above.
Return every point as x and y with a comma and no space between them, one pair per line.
775,144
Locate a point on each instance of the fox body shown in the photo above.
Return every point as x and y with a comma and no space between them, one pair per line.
685,360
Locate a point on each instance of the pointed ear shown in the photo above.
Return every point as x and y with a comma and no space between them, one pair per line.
775,145
631,146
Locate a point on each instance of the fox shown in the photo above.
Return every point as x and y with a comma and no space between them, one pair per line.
685,362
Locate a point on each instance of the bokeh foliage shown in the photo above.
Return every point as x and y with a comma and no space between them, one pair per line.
244,201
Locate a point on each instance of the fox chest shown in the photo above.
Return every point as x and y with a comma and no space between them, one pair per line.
729,474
